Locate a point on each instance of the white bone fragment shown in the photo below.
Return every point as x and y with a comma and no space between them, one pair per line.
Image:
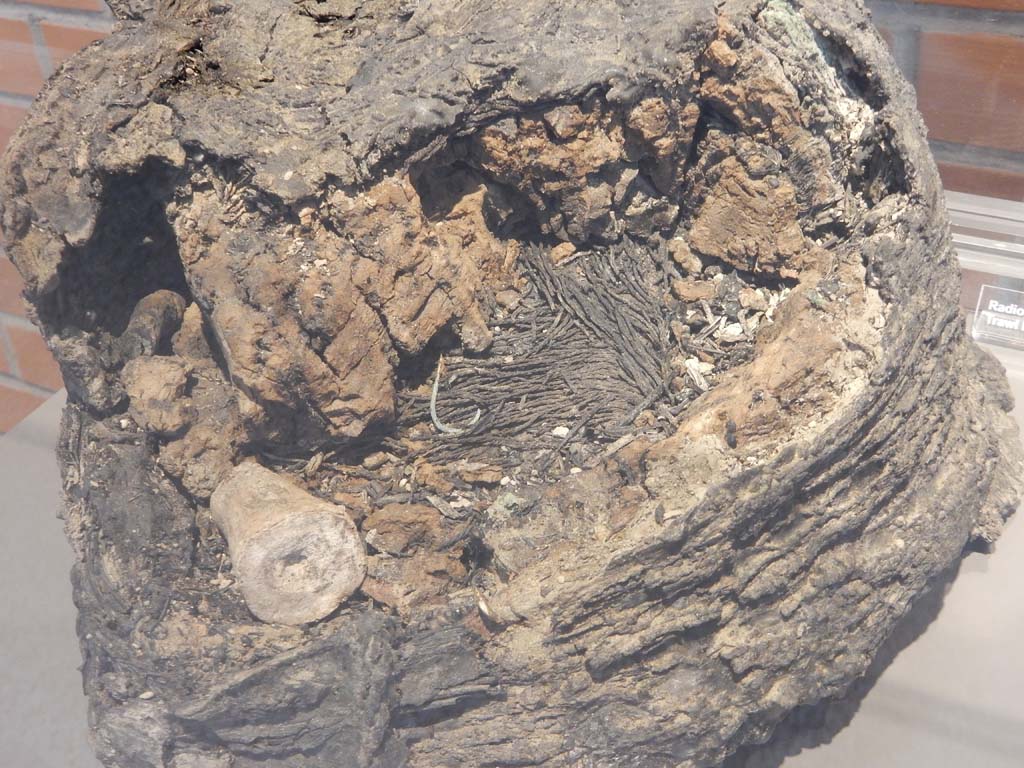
296,557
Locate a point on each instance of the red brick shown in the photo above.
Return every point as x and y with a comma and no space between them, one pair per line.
10,288
78,5
989,5
991,182
35,362
64,42
10,119
20,72
970,89
15,405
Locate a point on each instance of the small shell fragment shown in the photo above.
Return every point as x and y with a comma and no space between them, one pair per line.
693,371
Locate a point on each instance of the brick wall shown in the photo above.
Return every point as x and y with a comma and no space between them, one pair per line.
35,37
966,58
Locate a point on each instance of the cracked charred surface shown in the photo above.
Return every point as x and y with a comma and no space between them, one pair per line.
253,229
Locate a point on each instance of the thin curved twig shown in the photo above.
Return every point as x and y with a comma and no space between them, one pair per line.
441,426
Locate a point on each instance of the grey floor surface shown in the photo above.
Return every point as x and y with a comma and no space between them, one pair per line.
42,709
953,697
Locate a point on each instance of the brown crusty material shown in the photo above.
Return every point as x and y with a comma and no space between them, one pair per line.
626,332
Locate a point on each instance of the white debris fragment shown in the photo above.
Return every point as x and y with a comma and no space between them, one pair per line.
694,372
459,502
732,332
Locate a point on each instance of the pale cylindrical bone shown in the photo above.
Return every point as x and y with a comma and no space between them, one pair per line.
296,557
